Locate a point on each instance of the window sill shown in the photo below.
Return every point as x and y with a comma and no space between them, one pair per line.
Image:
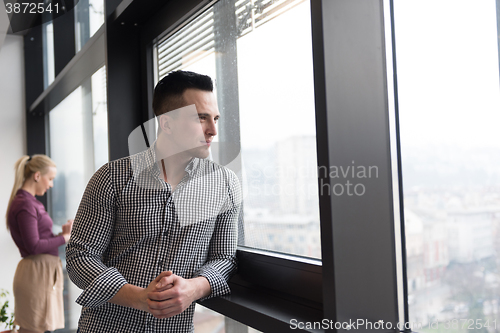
262,310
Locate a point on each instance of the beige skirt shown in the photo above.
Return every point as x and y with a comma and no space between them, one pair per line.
38,293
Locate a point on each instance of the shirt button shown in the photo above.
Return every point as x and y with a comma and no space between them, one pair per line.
160,263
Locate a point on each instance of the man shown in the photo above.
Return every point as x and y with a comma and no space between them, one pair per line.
157,231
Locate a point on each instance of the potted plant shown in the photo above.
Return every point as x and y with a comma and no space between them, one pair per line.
6,318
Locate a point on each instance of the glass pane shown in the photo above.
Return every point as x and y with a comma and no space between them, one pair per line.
100,118
68,132
267,112
78,145
96,15
48,54
278,135
449,102
89,16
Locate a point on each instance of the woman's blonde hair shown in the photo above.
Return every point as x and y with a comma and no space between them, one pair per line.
25,167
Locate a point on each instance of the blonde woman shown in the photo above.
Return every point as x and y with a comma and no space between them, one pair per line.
38,282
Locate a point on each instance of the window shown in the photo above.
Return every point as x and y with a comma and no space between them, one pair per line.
78,145
89,16
249,47
48,53
449,110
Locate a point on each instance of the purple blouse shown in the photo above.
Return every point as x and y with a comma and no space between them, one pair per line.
31,226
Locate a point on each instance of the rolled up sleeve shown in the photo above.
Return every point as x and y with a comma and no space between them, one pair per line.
90,237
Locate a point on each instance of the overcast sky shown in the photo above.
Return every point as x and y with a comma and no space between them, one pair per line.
448,75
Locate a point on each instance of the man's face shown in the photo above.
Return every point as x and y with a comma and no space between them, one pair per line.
191,130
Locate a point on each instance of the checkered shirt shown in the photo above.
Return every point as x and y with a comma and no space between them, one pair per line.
130,227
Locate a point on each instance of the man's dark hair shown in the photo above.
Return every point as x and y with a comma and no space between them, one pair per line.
168,92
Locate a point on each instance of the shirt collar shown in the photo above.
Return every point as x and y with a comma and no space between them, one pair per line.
155,170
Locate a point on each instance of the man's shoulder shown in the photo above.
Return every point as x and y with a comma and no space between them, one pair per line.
116,171
207,167
128,163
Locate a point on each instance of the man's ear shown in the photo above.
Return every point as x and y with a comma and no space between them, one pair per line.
165,123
